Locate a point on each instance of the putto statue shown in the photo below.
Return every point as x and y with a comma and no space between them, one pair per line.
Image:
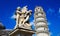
22,18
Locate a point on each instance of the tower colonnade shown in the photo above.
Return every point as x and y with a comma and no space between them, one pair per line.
40,22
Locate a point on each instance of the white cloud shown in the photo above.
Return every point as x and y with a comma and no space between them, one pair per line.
59,10
32,22
50,33
49,23
8,29
13,16
50,11
58,34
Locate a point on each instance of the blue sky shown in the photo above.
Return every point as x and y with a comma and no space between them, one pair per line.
51,7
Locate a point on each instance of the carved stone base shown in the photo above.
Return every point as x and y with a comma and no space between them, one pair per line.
21,32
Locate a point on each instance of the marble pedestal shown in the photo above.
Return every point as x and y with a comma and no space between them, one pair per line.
22,32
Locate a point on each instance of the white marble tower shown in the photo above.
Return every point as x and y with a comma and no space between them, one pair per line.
41,22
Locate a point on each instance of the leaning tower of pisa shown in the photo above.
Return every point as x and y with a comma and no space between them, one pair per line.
41,22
